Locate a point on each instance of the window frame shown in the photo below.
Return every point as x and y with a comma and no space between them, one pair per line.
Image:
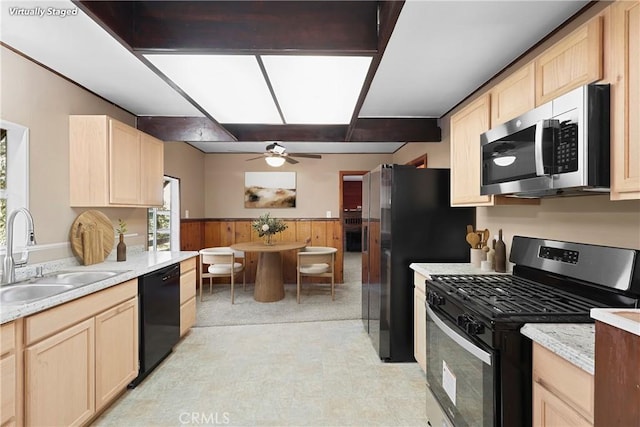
174,218
17,191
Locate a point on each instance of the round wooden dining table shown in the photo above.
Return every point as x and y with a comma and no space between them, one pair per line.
269,279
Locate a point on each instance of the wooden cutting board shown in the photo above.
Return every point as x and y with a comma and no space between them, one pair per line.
92,237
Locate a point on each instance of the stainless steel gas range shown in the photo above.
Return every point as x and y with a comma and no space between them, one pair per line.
478,363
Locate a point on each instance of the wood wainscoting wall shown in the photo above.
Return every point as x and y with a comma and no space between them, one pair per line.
196,234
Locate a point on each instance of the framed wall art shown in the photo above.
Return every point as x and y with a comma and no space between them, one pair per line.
269,189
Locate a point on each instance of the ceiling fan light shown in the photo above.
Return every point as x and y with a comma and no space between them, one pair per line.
274,161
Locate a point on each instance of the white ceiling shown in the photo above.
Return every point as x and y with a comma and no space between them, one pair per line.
439,52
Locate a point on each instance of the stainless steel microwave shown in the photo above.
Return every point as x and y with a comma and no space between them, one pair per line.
559,148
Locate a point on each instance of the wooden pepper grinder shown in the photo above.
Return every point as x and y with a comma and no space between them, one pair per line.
501,254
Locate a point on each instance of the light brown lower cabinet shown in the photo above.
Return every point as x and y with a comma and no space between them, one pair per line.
563,394
80,356
10,380
8,390
187,295
116,351
550,410
420,321
60,377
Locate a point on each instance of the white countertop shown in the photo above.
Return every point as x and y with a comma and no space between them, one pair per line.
137,264
427,269
627,319
574,342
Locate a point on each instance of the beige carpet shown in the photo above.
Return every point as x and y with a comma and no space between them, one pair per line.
315,302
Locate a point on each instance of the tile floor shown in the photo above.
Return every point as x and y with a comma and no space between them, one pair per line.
323,373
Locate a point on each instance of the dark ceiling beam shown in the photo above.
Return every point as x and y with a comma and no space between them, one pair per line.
310,133
396,130
114,16
389,13
201,129
256,26
184,129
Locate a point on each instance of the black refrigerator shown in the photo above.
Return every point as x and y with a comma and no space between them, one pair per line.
406,218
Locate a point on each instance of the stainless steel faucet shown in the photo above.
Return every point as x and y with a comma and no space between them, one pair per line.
9,265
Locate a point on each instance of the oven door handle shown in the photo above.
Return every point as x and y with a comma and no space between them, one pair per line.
459,339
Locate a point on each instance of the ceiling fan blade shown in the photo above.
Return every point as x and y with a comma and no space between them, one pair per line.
255,158
290,160
310,156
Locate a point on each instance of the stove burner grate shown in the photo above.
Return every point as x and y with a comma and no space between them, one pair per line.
510,295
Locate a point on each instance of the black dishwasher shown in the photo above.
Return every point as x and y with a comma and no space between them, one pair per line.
159,315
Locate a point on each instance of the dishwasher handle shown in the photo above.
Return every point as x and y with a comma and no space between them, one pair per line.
170,276
165,274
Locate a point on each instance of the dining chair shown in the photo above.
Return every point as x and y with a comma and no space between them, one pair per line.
223,262
317,261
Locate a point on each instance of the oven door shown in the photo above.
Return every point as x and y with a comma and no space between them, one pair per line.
460,373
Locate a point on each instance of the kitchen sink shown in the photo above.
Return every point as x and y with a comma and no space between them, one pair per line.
52,284
76,277
24,293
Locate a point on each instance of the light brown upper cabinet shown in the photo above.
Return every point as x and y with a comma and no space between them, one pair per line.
574,61
152,169
466,127
623,58
513,96
113,164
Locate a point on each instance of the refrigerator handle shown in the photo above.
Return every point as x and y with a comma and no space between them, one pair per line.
365,238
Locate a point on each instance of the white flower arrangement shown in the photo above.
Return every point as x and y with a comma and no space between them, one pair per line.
265,225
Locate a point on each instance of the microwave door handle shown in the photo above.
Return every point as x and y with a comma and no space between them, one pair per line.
539,143
539,158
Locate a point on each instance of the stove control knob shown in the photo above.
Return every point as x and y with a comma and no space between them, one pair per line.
434,299
463,320
474,328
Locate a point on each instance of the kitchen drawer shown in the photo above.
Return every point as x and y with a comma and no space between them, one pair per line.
48,322
571,384
186,265
187,286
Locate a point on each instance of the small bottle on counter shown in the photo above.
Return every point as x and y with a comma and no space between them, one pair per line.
501,254
491,255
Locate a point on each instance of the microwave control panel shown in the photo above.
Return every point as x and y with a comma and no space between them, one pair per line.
566,148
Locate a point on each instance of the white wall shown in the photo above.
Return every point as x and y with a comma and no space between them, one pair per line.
318,183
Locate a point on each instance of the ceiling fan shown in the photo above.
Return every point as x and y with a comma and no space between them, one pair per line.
275,155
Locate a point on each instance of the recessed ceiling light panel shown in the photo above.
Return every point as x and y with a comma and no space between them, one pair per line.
229,87
317,89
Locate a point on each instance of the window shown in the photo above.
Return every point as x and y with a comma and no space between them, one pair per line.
14,178
164,222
